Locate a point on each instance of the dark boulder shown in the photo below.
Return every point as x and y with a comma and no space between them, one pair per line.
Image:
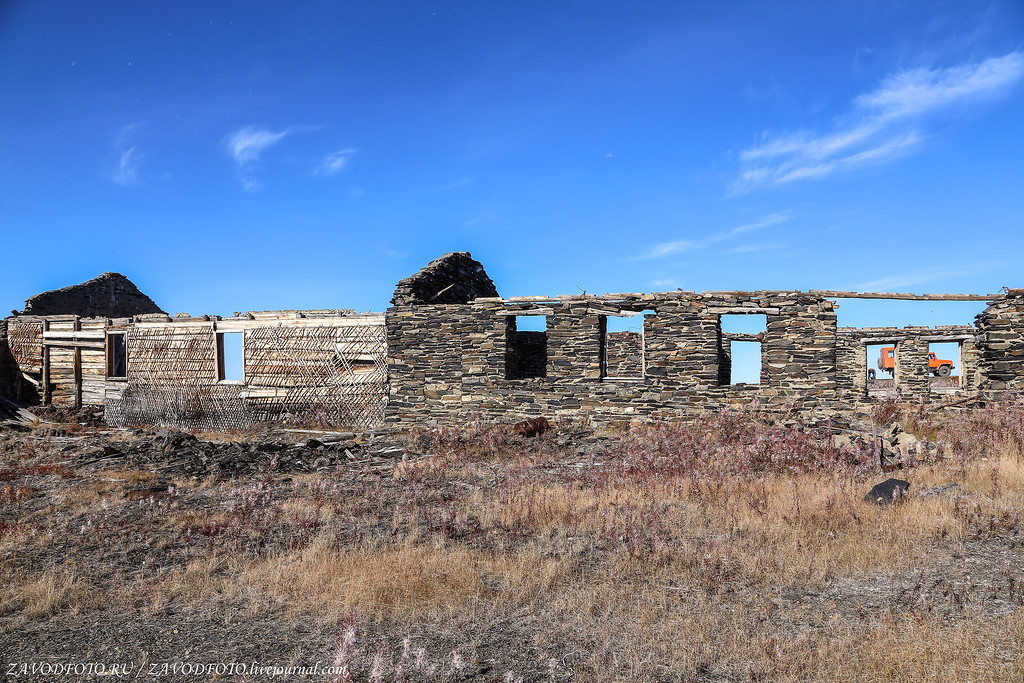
888,492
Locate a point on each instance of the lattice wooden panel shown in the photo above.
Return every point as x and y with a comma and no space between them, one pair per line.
329,374
181,406
337,374
26,342
168,355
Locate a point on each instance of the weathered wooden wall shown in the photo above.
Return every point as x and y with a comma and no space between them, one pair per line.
330,369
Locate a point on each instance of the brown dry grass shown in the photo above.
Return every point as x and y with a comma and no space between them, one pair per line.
669,556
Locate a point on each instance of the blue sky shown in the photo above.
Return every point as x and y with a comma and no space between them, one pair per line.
233,156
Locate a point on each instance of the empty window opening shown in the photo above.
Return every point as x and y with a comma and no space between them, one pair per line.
740,351
526,346
117,356
745,362
881,365
230,357
622,345
944,365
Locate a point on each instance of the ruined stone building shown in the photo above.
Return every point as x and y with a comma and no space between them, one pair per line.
449,345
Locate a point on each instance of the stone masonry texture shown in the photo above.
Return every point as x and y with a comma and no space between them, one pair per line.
455,278
450,347
453,359
110,295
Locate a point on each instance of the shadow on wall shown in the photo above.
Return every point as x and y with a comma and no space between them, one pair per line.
10,375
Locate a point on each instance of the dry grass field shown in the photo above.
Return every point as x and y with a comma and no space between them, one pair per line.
731,549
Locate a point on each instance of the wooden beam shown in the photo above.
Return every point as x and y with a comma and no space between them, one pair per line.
46,367
834,294
73,334
62,343
77,326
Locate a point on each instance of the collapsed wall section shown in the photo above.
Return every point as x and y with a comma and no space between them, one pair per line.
455,278
110,295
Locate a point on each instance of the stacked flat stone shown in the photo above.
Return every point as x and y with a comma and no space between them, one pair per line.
1001,343
110,295
455,278
450,359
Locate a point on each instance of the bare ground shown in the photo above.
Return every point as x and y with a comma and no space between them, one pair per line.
736,550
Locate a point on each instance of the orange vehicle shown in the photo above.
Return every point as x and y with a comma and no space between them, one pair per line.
937,366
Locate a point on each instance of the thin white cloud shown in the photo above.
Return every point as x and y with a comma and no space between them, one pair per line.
882,125
127,171
247,144
680,246
336,161
920,277
916,91
751,248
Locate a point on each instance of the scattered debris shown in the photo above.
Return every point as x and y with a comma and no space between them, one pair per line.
9,410
948,489
901,448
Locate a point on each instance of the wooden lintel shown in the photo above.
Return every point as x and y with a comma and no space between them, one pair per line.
946,337
74,334
67,343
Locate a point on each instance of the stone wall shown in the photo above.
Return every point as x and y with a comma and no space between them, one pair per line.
110,295
455,278
446,360
1000,345
526,353
912,375
624,354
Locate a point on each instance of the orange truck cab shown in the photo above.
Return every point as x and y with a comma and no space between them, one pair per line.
937,366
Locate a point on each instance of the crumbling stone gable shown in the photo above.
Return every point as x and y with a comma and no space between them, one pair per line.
455,278
110,295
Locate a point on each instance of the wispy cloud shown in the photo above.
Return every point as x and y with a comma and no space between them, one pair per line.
921,277
126,167
881,126
752,248
336,161
247,144
127,171
680,246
